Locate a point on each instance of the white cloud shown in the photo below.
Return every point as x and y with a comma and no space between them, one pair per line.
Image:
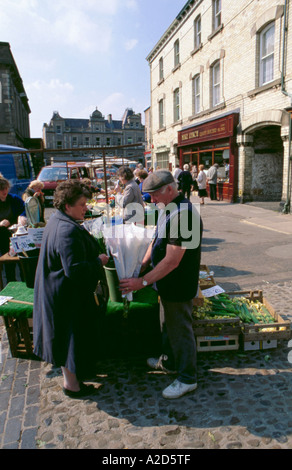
131,44
76,28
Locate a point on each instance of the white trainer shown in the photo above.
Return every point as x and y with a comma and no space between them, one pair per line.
178,389
156,363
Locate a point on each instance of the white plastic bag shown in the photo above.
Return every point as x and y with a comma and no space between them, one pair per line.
128,244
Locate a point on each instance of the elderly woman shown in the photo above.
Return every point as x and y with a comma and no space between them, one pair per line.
185,181
35,190
131,200
202,182
66,316
12,211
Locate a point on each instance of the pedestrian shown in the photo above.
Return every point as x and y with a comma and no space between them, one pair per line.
202,183
176,173
35,190
12,211
185,181
66,316
194,173
212,180
174,255
130,201
142,175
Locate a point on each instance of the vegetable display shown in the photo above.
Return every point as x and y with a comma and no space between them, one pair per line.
223,306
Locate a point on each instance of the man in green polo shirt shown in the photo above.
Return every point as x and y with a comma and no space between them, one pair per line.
174,255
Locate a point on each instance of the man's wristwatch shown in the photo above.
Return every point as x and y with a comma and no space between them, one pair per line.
144,282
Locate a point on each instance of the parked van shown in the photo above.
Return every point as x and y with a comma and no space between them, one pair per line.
52,175
16,167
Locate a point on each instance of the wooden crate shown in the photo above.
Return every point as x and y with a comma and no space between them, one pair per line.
199,300
209,281
280,329
217,343
19,334
217,327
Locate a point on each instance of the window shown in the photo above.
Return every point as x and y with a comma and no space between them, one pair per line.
74,141
59,130
108,141
197,32
161,114
216,14
196,94
215,76
21,166
130,140
59,144
176,53
176,105
266,65
161,71
86,141
97,140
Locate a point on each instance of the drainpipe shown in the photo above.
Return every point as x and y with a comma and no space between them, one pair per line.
286,209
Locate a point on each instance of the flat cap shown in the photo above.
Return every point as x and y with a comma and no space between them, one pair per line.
156,180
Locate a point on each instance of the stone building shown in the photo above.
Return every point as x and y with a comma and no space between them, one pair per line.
221,86
14,107
94,134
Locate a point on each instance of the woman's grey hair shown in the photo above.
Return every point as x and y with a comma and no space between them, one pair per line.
186,167
69,192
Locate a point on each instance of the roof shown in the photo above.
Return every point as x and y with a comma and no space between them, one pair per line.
190,4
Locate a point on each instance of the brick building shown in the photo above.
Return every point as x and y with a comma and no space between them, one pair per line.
221,83
94,133
14,107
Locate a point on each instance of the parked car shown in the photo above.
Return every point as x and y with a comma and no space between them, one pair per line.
16,166
52,175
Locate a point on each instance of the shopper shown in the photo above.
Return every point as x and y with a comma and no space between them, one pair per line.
212,180
35,190
202,182
176,173
12,211
175,259
66,316
130,201
185,181
142,175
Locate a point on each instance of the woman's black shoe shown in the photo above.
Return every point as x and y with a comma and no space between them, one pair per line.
85,390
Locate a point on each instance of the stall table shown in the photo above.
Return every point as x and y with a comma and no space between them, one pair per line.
18,318
123,333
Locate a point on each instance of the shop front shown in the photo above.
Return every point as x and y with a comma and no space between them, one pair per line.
213,142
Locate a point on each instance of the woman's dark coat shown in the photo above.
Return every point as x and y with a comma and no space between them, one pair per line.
65,319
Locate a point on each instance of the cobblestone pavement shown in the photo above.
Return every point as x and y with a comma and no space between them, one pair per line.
243,401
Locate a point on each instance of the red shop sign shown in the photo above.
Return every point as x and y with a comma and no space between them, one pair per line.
217,129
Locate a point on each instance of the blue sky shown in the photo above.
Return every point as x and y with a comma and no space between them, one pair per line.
74,56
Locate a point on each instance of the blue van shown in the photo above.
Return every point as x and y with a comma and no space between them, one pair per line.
16,167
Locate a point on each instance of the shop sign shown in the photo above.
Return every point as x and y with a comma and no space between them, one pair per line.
218,129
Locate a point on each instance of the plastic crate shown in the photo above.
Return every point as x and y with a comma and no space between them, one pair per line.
217,343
